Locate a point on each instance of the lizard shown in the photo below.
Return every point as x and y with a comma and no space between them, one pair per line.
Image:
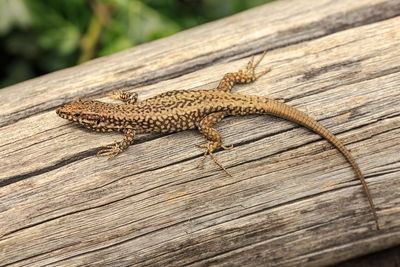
181,110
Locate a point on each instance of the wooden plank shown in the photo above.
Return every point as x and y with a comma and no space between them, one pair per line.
292,200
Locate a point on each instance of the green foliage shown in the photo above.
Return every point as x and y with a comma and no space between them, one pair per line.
40,36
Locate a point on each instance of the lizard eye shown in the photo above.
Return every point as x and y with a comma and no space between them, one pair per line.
76,115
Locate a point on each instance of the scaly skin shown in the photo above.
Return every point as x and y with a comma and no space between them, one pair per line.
176,111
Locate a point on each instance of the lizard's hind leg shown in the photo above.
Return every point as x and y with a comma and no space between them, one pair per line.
212,136
247,76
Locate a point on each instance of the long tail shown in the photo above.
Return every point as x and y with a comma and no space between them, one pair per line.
287,112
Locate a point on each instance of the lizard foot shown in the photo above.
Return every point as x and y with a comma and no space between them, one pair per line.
124,96
210,147
110,151
251,67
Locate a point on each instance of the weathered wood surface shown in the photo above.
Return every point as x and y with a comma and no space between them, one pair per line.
292,200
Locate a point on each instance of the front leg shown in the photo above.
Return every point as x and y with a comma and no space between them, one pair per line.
212,136
248,76
124,96
118,147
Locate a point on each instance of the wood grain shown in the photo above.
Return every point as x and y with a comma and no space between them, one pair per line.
293,199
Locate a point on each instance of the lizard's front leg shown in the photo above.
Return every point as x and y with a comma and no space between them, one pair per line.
212,136
124,96
247,76
118,147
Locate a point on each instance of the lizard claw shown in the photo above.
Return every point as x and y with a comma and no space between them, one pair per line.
202,146
251,66
110,151
227,147
209,151
222,146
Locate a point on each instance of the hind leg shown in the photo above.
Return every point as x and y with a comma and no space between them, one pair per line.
212,137
247,76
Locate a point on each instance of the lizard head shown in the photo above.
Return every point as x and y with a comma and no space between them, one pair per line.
89,113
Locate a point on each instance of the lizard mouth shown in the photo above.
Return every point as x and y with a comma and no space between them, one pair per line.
90,121
67,115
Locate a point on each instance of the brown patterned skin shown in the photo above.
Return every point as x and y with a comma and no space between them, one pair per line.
182,110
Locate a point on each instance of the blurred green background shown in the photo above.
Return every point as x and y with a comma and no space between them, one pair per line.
41,36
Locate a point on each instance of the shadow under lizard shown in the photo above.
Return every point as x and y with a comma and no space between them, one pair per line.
186,109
